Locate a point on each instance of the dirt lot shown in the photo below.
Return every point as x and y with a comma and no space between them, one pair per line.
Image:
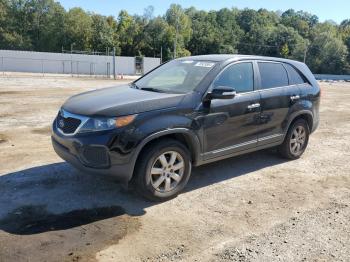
256,207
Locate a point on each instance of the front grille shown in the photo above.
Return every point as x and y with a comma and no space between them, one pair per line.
95,156
67,125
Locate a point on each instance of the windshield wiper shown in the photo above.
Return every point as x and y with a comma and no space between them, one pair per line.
152,89
133,85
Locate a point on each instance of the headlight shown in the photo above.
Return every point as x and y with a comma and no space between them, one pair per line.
101,124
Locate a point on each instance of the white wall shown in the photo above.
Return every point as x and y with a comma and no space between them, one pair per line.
332,77
125,65
149,63
58,63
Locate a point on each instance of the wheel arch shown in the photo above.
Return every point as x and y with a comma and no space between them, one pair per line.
306,115
185,136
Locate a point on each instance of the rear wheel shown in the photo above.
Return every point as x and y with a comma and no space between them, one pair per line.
163,170
296,140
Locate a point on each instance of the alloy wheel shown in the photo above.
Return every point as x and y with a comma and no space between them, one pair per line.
298,139
167,171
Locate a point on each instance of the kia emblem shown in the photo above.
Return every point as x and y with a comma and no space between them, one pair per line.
61,123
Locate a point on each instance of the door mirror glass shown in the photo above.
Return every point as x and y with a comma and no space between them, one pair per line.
222,92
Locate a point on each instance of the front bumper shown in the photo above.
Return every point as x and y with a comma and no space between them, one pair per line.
102,162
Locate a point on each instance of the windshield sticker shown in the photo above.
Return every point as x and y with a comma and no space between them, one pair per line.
205,64
187,62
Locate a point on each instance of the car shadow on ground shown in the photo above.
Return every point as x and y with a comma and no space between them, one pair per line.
57,197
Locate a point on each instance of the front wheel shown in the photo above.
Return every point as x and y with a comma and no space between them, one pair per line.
296,140
163,170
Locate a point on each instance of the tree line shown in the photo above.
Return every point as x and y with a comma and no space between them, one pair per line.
44,25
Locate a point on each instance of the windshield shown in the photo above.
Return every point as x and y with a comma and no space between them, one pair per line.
177,76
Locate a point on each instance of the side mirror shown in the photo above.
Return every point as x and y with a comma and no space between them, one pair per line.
222,92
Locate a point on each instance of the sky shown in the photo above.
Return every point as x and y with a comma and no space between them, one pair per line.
336,10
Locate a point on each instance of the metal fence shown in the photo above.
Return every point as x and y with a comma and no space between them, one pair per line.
73,64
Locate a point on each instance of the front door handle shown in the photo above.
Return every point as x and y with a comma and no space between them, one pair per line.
253,106
294,98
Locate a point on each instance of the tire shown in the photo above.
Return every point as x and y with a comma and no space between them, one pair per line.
155,169
296,140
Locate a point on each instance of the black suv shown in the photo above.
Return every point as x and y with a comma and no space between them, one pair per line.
188,112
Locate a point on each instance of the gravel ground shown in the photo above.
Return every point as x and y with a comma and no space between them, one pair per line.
256,207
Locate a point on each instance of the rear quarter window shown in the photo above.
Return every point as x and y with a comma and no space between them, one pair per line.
272,75
294,76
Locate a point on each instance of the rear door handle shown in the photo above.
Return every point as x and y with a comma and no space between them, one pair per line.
253,106
294,98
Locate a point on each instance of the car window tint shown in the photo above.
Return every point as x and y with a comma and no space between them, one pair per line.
177,76
173,77
272,75
294,77
239,76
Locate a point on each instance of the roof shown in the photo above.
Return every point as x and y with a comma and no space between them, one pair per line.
215,58
224,57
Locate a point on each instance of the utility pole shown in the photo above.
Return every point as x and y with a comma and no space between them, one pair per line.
161,54
71,59
177,31
114,74
305,52
2,66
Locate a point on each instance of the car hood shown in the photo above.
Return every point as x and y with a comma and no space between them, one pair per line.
121,100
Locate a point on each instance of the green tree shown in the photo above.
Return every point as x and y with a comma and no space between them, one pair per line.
180,25
127,31
78,29
284,51
300,50
285,40
205,38
258,27
102,33
3,13
46,19
44,25
158,37
328,54
148,13
14,26
301,21
230,32
345,34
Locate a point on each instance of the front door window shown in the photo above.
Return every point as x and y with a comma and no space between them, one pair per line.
239,76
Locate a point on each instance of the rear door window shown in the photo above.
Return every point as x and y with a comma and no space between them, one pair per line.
272,75
294,76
